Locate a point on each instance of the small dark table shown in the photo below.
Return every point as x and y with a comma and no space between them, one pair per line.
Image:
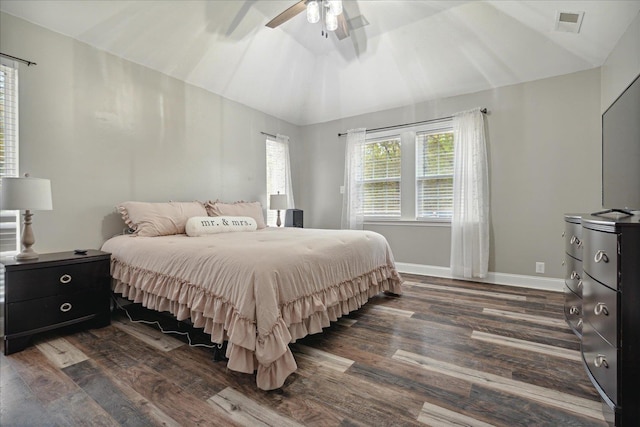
55,290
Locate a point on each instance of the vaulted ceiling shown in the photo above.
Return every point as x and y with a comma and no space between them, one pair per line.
410,51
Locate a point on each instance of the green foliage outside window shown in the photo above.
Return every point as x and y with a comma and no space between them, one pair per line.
381,178
434,175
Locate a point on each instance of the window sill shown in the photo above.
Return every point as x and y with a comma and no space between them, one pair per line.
411,223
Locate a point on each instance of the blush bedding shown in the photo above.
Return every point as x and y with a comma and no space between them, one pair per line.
259,290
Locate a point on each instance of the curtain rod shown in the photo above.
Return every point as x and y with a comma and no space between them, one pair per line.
268,134
484,111
15,58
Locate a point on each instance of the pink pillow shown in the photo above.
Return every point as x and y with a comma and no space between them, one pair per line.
159,219
252,209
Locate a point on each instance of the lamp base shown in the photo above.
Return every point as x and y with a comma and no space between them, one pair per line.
27,240
27,255
278,222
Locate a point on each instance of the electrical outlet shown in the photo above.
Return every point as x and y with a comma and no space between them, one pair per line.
539,267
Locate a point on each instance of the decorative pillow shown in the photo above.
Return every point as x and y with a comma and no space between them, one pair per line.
159,219
252,209
203,225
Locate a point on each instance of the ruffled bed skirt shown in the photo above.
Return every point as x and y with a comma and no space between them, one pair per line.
247,350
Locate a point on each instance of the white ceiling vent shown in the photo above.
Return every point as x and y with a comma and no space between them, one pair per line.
568,22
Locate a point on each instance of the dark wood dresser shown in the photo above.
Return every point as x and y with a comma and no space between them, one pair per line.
573,272
55,290
611,314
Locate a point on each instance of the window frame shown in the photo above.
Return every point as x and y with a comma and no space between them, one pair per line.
409,163
10,219
383,216
439,215
273,188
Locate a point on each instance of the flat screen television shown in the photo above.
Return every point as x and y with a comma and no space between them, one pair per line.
621,151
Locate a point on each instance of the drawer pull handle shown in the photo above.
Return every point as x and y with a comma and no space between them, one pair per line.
65,278
574,275
579,284
579,323
601,256
600,308
575,241
563,234
65,307
574,310
600,360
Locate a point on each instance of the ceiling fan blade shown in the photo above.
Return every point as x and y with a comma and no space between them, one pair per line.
287,14
342,32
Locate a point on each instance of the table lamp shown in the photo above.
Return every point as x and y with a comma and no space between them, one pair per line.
278,202
26,193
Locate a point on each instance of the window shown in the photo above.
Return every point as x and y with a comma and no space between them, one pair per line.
381,178
434,175
408,176
9,224
278,174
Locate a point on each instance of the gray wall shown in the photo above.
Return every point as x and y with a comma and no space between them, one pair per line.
622,65
544,141
544,160
105,130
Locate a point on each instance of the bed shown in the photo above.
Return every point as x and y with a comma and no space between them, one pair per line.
258,290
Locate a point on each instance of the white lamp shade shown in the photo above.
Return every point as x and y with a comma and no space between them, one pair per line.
26,193
313,12
331,21
335,6
278,202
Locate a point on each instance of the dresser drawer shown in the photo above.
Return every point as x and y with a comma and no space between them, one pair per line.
48,281
600,308
602,361
573,309
49,311
573,239
573,275
601,256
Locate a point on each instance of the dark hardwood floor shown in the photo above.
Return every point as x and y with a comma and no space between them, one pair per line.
446,352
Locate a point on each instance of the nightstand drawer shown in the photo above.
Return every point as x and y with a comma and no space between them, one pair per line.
48,312
49,281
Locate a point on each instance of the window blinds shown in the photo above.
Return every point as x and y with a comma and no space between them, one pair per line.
434,175
9,225
381,178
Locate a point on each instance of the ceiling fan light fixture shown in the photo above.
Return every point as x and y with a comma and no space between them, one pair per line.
313,12
331,21
335,6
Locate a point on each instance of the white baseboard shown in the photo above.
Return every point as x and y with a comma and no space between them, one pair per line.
518,280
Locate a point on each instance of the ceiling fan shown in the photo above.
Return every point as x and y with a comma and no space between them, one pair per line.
323,7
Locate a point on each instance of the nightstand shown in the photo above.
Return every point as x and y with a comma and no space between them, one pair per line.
53,291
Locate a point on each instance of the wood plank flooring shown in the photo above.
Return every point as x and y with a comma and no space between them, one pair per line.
445,353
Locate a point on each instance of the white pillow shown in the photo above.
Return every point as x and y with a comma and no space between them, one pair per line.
203,225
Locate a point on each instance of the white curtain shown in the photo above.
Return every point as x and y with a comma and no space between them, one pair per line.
470,221
352,217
